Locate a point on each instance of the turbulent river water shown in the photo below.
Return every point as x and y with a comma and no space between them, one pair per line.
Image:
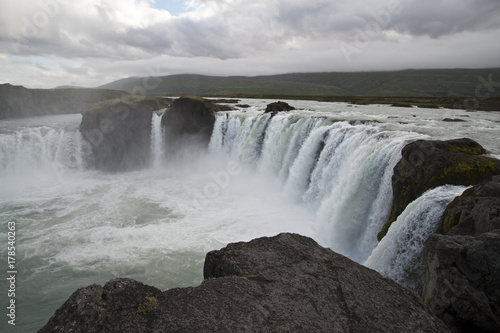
323,171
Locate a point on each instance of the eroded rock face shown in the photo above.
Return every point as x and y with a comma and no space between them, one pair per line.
462,281
428,164
286,283
462,278
188,124
476,211
119,132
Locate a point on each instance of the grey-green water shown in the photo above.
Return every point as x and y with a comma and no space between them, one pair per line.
76,227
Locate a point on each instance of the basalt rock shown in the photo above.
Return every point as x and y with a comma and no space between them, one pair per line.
462,281
428,164
286,283
475,212
462,278
119,132
188,124
278,106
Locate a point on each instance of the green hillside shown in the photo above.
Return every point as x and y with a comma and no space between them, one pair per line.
17,101
416,83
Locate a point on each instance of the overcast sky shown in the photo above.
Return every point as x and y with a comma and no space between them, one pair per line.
47,43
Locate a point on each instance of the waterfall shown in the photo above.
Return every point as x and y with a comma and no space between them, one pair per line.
41,152
338,171
157,140
399,255
341,171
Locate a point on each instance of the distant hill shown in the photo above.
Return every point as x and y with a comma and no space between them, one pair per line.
17,101
69,87
418,83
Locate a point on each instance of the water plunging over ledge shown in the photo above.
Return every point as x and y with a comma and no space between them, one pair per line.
324,174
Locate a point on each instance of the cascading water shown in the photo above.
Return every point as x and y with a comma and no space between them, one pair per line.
342,172
399,254
301,171
40,148
157,140
40,154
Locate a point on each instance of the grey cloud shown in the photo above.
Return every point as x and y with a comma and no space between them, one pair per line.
439,18
263,36
245,30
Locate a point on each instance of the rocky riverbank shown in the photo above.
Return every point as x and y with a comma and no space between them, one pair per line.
286,283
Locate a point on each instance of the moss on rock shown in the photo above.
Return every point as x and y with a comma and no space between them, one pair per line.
428,164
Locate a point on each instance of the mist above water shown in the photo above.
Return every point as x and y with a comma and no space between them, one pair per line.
324,174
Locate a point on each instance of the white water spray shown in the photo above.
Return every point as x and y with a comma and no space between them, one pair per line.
342,172
157,141
398,256
40,155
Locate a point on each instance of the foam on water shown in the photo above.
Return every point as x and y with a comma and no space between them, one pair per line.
302,172
399,254
340,172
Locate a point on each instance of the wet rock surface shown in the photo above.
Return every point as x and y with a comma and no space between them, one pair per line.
475,212
428,164
188,124
119,132
278,107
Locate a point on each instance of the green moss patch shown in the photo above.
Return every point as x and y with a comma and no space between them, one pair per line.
466,170
130,102
148,305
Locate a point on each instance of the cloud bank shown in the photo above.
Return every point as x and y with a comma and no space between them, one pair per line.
45,43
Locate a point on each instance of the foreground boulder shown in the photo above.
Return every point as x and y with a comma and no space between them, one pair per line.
286,283
119,132
188,124
462,281
428,164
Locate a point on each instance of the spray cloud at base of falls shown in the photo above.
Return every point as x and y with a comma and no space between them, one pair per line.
340,171
41,154
299,172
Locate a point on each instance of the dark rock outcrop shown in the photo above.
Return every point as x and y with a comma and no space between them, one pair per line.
462,281
119,132
462,278
453,120
278,106
188,124
17,101
475,212
286,283
428,164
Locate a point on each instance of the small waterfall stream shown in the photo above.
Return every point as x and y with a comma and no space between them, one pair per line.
398,256
157,140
